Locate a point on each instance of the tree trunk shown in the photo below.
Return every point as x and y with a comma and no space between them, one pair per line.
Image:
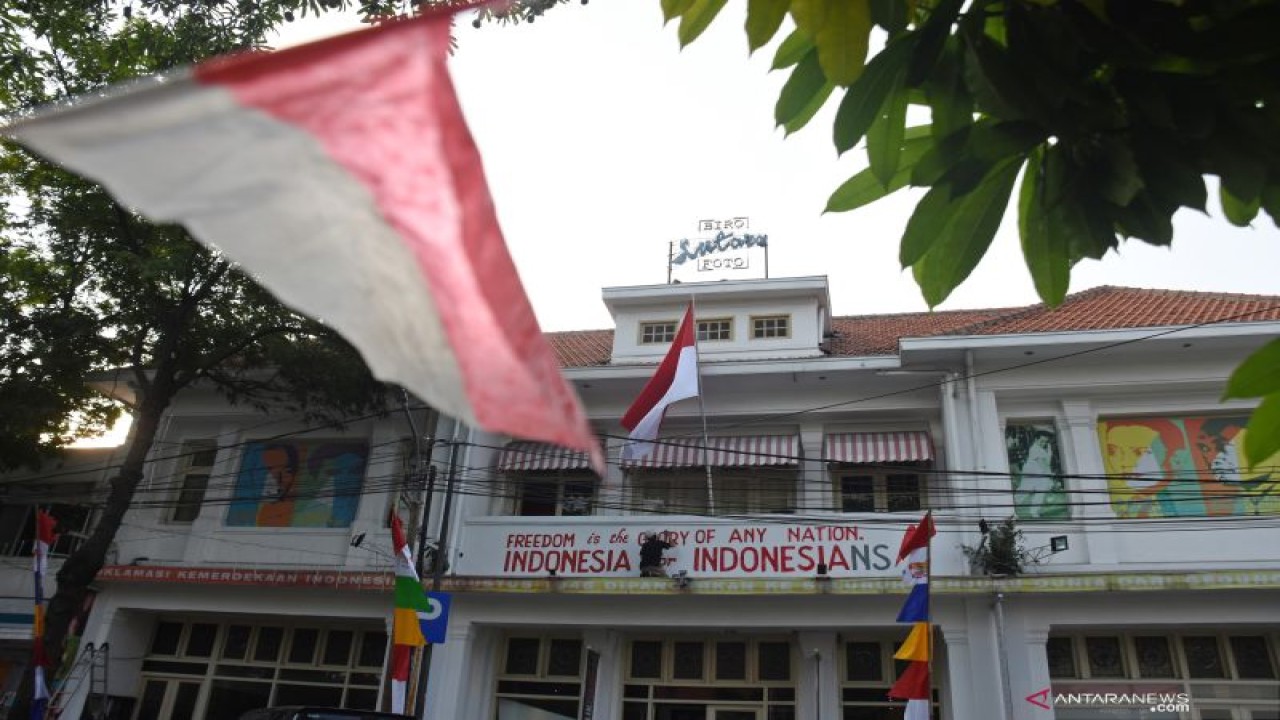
82,566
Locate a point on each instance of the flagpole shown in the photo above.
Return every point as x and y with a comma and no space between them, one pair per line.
702,410
928,564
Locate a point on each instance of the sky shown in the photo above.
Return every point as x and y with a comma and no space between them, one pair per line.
603,141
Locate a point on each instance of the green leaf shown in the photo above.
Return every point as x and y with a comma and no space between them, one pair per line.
997,83
1239,212
806,83
764,17
1262,437
842,40
809,15
884,137
1044,246
1258,375
697,18
967,234
674,9
861,103
1167,173
890,15
792,50
864,187
1121,180
933,36
940,158
1239,167
950,103
1143,220
974,149
1271,201
806,113
927,222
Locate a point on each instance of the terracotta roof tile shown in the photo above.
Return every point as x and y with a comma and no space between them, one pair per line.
1109,307
1100,308
878,334
582,348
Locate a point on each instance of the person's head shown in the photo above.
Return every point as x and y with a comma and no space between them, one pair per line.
281,463
1127,445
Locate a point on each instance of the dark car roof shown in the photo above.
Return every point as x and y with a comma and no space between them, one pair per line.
307,712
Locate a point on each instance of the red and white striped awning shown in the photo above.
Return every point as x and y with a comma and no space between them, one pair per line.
740,451
878,447
530,456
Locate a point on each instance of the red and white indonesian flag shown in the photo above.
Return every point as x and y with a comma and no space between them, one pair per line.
342,176
46,536
675,380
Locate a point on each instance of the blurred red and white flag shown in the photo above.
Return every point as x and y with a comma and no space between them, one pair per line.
342,176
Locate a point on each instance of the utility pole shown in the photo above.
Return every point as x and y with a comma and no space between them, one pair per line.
437,569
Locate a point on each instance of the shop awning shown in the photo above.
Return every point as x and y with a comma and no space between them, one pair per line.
739,451
531,456
878,447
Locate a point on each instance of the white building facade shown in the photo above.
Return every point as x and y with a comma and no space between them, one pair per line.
256,568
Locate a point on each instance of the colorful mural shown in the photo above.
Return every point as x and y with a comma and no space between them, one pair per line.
1185,467
1035,470
298,483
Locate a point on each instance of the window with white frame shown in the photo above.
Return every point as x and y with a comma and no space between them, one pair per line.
239,666
765,327
685,676
540,675
192,479
879,489
652,333
542,494
715,329
1228,674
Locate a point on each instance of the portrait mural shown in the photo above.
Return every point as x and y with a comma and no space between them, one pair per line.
1185,467
299,483
1035,470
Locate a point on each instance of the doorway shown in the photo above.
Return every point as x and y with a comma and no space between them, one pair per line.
167,699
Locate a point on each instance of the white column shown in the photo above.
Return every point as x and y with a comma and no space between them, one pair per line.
613,492
815,484
1084,457
609,678
996,493
984,695
957,697
1025,643
817,680
458,685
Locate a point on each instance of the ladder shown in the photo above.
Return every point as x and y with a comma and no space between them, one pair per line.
91,665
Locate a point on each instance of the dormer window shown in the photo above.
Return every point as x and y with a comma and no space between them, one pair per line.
770,326
715,329
652,333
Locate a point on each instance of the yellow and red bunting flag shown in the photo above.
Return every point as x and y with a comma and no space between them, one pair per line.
46,536
411,599
916,647
913,684
410,603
